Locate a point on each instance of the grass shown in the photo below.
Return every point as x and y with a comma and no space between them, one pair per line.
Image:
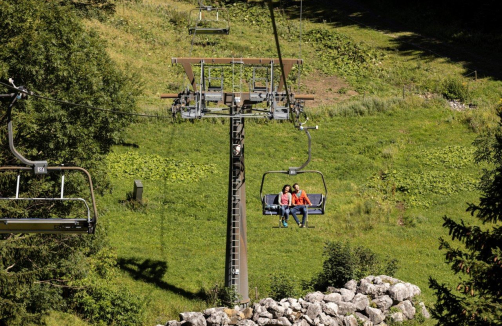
172,249
181,233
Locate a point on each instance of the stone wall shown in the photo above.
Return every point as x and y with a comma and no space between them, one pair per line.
371,302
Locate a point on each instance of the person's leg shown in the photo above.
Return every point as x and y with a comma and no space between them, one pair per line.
283,210
286,212
304,211
293,212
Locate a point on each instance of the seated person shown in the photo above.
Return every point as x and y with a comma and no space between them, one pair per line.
299,200
284,204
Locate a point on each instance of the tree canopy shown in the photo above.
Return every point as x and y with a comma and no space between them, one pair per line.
47,49
478,296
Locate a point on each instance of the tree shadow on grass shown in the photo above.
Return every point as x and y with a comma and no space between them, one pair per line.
481,55
152,271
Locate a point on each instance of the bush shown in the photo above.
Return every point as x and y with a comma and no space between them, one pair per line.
108,306
282,286
344,263
221,296
454,89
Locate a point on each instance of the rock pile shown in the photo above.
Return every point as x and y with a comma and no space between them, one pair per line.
371,302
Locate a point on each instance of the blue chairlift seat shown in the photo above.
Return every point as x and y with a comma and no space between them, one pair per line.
270,203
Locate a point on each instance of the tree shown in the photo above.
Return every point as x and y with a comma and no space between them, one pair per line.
477,299
46,48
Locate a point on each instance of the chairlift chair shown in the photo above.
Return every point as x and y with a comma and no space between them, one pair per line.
85,224
207,20
270,202
9,224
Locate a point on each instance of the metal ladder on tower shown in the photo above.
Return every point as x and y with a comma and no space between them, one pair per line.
237,138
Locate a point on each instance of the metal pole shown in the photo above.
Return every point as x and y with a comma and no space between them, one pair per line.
236,269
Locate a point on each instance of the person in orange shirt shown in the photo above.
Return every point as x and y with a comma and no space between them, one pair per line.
299,200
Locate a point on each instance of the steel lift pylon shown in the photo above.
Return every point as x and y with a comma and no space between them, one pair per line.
195,103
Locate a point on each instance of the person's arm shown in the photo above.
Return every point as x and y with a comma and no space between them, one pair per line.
307,198
289,200
294,200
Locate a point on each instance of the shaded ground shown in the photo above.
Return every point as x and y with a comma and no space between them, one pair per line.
472,53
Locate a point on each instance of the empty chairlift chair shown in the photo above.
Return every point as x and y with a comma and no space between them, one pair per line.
209,20
19,217
85,222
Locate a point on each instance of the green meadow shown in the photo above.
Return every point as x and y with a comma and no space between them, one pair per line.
395,156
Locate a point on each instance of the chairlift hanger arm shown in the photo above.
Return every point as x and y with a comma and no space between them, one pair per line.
38,166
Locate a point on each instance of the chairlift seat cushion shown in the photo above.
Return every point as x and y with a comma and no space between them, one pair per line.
271,200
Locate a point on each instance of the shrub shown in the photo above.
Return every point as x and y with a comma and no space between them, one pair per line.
108,306
221,296
282,286
344,263
454,89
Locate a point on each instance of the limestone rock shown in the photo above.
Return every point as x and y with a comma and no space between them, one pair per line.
351,285
246,322
314,297
193,319
330,308
263,321
210,311
376,315
407,308
218,318
349,321
346,308
308,319
333,297
424,311
399,292
347,295
383,303
314,310
366,287
174,323
397,317
265,314
361,301
248,313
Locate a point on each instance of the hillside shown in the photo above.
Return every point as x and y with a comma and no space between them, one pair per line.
395,144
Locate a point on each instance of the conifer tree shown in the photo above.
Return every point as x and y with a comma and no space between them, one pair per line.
477,300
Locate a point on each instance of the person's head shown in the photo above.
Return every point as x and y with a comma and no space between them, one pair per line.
286,188
296,187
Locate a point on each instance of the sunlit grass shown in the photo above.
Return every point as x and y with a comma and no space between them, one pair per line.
180,232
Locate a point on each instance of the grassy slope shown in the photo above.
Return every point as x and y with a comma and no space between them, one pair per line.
177,245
